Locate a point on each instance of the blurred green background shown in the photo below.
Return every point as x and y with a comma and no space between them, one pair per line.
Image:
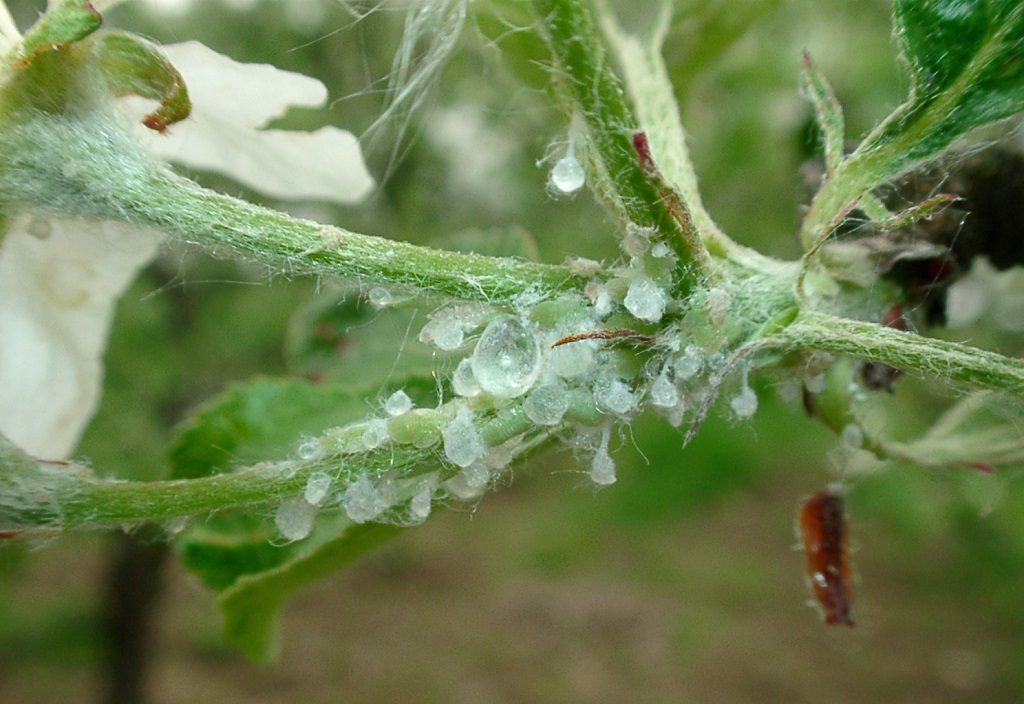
680,582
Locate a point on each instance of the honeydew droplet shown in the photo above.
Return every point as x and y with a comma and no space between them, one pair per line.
853,436
421,503
744,404
602,467
294,518
567,176
615,396
663,392
507,359
463,379
459,488
572,360
462,442
676,414
645,299
375,434
379,297
477,475
444,332
815,384
309,448
547,403
317,486
362,502
689,363
660,250
398,403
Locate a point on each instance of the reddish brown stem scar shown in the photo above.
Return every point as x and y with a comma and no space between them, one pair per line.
823,531
630,335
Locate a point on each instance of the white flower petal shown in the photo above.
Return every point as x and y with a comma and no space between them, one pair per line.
230,101
59,282
9,34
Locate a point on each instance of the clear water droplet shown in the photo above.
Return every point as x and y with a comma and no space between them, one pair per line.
507,358
462,442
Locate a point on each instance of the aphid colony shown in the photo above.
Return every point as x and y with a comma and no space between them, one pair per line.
576,367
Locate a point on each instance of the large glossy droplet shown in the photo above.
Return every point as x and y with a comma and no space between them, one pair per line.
506,361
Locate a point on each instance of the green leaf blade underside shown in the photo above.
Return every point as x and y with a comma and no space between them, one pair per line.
966,59
260,420
241,553
966,65
250,607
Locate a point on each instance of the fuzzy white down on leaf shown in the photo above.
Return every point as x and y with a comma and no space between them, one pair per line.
59,282
231,102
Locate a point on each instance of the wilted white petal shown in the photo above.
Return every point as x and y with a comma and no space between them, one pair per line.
230,102
59,282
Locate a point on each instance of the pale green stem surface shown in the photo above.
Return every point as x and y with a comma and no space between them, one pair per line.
940,359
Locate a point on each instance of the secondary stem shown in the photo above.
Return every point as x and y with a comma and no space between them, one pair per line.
938,358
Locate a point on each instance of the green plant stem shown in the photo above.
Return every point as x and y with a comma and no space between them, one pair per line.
37,495
196,214
111,177
911,133
592,91
940,359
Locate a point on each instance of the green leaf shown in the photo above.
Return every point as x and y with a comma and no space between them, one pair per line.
966,59
339,338
230,545
260,420
133,66
980,431
251,606
65,23
966,63
234,552
827,112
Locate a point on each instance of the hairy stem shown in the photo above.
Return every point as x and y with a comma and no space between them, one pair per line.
86,166
591,90
907,351
49,496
